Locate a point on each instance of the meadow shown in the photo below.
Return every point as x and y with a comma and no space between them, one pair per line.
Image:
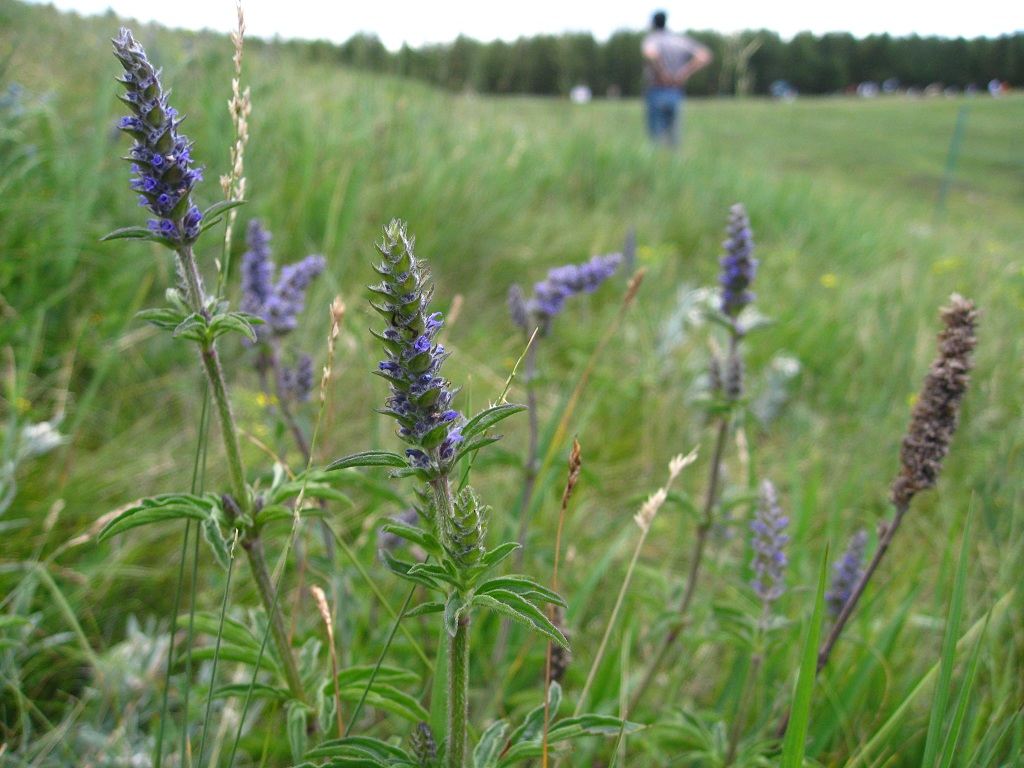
867,215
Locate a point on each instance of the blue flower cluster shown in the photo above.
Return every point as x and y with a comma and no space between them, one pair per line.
846,574
550,294
161,156
277,303
769,542
420,398
738,264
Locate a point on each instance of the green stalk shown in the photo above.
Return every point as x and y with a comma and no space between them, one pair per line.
253,546
458,647
251,541
458,695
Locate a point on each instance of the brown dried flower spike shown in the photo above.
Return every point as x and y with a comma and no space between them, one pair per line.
936,413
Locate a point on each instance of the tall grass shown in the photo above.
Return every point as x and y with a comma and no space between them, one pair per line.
855,261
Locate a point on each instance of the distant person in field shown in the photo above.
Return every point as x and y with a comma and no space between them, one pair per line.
669,61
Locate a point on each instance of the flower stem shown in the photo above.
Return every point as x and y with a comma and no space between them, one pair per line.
253,546
458,694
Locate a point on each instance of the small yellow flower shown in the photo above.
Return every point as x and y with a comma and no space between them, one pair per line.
829,280
945,265
264,401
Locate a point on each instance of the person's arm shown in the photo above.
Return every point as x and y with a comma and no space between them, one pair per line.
700,59
653,55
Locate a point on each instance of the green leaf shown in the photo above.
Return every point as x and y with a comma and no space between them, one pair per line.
360,674
488,418
800,713
158,509
474,445
569,729
298,734
498,554
239,654
354,746
259,691
230,630
522,585
533,724
219,547
232,321
402,569
129,233
424,608
194,327
521,610
164,318
453,610
437,572
369,459
490,746
389,699
222,207
414,534
590,725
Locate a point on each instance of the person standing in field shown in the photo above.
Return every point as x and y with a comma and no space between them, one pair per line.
669,61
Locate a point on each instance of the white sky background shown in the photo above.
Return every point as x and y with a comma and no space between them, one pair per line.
419,22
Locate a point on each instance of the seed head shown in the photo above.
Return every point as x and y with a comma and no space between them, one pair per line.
935,416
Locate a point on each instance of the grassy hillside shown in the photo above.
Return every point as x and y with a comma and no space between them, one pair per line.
866,215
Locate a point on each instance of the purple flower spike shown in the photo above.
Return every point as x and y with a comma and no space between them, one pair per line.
278,303
738,264
846,574
161,156
562,283
420,398
769,542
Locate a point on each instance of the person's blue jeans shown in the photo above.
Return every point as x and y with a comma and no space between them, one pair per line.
664,114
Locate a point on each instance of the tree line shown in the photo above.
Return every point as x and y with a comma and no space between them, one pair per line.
745,63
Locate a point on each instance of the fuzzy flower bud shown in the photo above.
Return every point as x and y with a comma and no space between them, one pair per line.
769,542
161,156
846,573
562,282
463,534
738,264
420,398
935,416
424,746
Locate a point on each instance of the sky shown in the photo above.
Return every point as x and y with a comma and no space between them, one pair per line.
421,22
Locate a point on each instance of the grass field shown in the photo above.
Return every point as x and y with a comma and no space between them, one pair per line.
866,214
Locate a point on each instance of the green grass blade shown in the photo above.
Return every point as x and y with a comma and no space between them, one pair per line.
941,738
800,713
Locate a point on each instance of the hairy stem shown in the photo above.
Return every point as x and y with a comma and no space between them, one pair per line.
458,695
253,546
